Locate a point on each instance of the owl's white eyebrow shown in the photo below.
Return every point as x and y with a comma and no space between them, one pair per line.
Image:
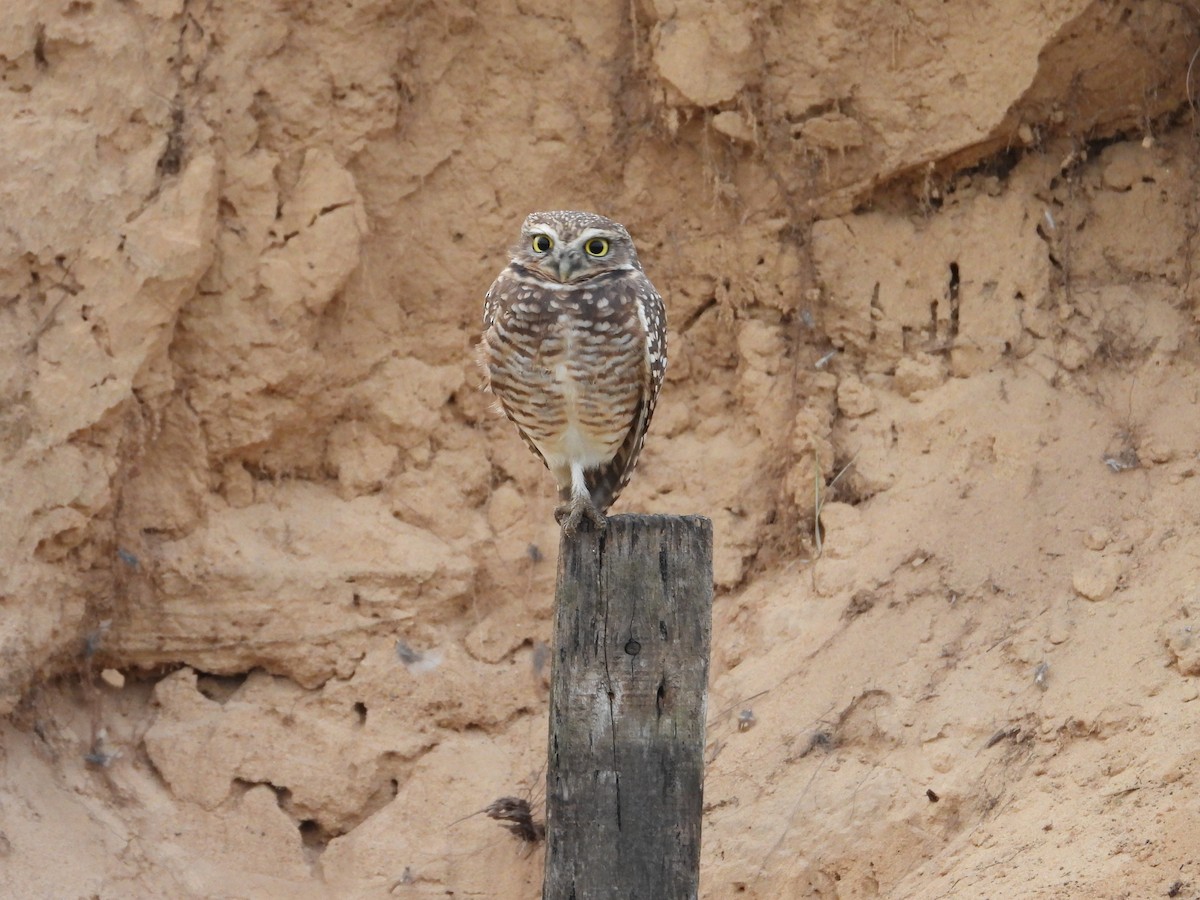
588,233
546,230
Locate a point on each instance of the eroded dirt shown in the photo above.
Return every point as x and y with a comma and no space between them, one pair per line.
277,579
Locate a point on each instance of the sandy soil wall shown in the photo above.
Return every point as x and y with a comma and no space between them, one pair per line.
276,580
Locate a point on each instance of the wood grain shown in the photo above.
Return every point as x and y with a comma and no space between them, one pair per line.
624,795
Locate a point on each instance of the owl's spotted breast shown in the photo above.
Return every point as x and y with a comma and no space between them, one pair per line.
568,370
577,363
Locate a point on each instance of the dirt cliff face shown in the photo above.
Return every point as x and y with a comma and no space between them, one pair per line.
277,579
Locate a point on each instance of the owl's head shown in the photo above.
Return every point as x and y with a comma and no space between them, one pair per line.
569,247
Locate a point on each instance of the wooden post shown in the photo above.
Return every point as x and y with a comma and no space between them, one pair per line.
629,684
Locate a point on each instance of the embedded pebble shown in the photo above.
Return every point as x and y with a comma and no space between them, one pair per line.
1099,579
917,374
1181,641
1097,538
854,398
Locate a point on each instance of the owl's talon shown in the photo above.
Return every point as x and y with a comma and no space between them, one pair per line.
570,514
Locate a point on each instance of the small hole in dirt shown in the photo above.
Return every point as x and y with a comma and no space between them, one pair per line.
360,710
312,835
219,688
953,296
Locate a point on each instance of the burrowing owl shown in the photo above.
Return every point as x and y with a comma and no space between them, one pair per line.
575,348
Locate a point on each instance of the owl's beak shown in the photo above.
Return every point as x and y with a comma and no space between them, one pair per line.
568,264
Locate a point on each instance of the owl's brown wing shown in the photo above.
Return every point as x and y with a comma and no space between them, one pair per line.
492,309
491,304
606,482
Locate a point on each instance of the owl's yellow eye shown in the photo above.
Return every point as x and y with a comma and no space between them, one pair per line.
541,243
596,247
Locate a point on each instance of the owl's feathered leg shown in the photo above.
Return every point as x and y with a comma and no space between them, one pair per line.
570,514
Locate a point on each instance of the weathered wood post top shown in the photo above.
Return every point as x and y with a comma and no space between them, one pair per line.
624,795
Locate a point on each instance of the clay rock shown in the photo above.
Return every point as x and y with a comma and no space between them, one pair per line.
295,586
704,50
920,373
1097,578
949,86
212,733
321,229
854,398
845,534
359,459
881,273
105,343
1182,639
112,335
